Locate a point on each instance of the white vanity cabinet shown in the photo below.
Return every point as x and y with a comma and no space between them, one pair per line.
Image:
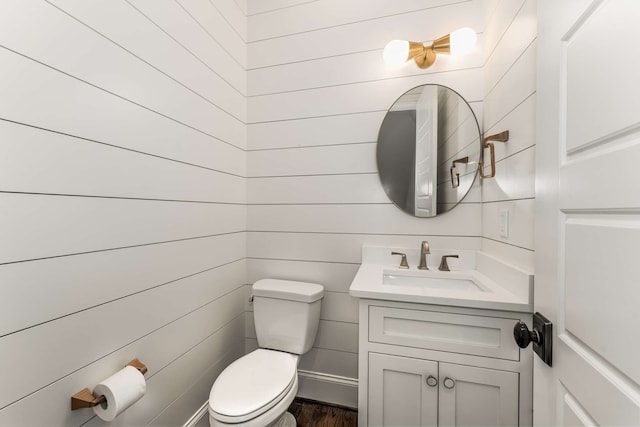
431,365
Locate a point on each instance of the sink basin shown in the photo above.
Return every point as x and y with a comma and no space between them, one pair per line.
477,281
453,282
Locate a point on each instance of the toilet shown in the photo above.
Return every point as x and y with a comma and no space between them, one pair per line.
257,389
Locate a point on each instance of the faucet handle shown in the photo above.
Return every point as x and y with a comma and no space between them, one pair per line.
444,266
403,262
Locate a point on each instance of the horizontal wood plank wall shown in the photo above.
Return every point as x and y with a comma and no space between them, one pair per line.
317,93
123,191
509,104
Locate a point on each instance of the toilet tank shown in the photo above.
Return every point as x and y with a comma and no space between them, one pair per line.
286,314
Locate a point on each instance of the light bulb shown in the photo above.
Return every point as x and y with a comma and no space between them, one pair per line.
462,41
396,53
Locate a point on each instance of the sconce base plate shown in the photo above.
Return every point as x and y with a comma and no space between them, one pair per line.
426,60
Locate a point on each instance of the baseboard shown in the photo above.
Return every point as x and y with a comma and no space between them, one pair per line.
195,418
328,388
342,391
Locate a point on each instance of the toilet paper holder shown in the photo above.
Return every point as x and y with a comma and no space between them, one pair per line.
85,399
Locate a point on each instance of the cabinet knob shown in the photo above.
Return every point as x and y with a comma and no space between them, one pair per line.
432,381
449,383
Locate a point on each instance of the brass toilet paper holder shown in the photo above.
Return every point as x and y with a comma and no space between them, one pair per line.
85,399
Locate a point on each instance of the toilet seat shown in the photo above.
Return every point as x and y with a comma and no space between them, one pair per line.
252,385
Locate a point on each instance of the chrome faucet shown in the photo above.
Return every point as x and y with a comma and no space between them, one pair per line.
424,250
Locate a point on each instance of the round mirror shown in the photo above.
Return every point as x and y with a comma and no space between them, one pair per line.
428,150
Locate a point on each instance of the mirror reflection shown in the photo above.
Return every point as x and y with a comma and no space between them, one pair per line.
428,150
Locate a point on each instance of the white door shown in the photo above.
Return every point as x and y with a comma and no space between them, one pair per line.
588,211
426,161
402,391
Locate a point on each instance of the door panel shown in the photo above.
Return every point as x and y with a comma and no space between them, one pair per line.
601,395
607,79
572,413
398,392
479,396
588,211
602,315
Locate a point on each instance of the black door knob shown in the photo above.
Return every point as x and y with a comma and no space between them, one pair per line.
541,336
524,336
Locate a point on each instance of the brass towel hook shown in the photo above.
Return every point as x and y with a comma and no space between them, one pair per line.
456,183
84,398
499,137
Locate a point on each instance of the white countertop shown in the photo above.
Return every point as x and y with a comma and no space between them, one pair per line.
368,283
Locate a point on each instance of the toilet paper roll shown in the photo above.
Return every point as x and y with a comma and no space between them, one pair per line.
121,390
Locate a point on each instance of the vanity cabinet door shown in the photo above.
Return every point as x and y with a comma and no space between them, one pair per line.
477,396
398,391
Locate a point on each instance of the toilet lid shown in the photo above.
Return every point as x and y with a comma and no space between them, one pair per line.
253,384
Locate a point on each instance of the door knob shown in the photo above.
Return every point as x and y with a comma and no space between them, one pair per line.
524,336
541,336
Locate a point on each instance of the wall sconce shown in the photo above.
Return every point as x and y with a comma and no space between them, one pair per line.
459,42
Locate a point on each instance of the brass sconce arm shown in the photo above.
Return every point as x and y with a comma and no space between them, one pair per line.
425,56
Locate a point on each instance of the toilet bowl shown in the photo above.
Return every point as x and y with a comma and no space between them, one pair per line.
257,389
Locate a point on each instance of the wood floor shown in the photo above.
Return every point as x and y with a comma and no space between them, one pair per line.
310,413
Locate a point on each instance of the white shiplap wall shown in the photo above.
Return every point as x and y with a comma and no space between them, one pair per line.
317,93
123,180
123,200
509,104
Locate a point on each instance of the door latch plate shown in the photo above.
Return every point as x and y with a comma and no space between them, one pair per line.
543,327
